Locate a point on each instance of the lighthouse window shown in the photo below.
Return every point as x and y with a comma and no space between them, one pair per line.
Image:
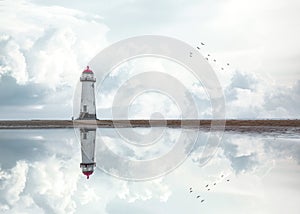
85,108
84,136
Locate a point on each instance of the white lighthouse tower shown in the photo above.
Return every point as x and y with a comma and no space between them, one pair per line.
88,105
88,138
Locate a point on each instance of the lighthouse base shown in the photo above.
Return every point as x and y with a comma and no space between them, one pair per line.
87,116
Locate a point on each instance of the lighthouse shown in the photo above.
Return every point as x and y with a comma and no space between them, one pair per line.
87,138
88,105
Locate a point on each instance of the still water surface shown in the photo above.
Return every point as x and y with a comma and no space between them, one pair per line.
248,173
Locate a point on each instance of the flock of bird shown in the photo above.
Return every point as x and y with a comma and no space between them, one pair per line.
208,188
208,55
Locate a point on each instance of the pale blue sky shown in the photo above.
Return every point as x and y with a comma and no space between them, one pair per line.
46,44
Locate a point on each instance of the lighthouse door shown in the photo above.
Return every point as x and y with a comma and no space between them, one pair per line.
84,108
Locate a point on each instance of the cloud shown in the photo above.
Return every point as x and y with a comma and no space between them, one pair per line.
44,48
13,93
56,42
249,96
12,59
285,99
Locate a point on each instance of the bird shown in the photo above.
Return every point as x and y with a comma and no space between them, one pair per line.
202,200
215,184
208,189
198,48
206,185
215,60
228,64
208,54
222,68
222,176
202,43
206,58
198,196
191,53
191,191
228,180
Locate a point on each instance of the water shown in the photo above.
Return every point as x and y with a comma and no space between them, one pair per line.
40,172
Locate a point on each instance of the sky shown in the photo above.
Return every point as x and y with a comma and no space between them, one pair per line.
45,45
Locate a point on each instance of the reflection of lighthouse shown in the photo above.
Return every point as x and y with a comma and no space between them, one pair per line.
87,106
88,138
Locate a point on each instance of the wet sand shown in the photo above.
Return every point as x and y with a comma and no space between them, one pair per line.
230,125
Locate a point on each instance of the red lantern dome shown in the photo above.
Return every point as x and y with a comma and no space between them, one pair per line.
87,174
87,70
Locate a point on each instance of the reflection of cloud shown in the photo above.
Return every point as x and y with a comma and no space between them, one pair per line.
88,195
243,163
14,183
48,185
283,148
52,183
132,191
249,153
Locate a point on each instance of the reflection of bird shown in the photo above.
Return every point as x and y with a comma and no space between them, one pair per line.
202,43
198,196
198,48
202,200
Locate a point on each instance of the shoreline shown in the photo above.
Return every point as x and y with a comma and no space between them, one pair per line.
230,125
